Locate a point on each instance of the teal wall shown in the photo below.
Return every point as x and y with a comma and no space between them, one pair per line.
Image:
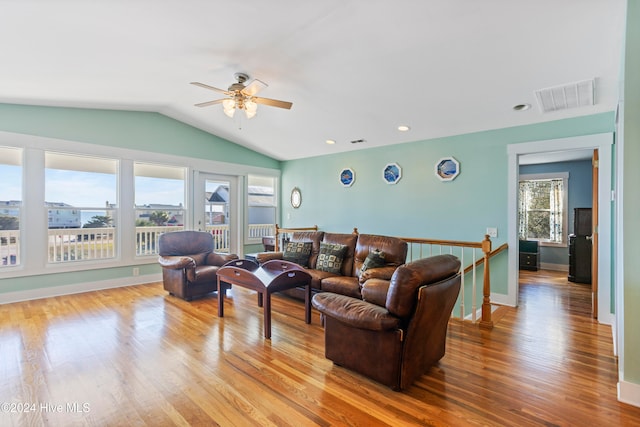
579,194
144,131
420,205
631,280
136,130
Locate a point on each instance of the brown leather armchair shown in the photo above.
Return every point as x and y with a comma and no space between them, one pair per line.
397,342
189,264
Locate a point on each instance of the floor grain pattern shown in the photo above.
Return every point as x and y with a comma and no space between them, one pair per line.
136,356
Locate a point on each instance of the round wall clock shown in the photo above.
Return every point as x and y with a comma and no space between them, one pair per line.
296,198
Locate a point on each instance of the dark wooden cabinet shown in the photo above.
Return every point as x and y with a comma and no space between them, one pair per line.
529,255
580,259
580,247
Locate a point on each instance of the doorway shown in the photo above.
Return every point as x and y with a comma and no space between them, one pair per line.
601,142
215,209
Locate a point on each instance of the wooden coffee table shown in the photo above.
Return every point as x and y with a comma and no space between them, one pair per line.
272,276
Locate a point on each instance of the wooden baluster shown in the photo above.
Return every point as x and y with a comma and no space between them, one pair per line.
486,321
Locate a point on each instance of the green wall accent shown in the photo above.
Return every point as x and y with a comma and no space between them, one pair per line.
631,280
420,205
28,283
138,130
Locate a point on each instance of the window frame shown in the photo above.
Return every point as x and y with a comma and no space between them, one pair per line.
276,205
120,269
564,176
18,160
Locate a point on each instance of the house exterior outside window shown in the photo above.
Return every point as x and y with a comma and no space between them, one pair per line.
542,208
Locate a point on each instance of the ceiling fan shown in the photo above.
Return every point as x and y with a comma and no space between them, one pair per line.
241,97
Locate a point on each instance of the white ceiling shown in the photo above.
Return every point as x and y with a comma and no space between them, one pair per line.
354,69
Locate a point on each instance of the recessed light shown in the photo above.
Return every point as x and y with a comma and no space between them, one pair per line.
403,128
522,107
330,141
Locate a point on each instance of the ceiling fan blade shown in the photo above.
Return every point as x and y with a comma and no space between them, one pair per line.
253,87
206,104
210,87
272,102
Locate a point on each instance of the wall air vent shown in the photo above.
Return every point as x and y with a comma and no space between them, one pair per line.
572,95
358,141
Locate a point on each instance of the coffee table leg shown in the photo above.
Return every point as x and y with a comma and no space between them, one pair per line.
307,303
267,315
220,299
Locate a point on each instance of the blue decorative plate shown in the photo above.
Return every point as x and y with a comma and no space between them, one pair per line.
347,177
447,169
392,173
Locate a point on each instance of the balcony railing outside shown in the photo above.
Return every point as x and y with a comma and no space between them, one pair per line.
9,247
76,244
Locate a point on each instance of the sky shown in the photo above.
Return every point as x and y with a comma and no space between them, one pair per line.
90,189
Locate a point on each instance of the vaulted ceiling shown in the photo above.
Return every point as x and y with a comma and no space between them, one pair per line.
353,69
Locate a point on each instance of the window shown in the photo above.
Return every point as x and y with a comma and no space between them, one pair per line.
160,204
81,201
543,208
262,202
10,205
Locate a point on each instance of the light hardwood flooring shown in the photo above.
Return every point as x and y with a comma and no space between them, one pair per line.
136,356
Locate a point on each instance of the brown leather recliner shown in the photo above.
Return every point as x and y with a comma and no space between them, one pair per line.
397,342
189,264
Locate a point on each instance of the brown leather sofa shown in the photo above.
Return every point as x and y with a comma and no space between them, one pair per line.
189,264
351,277
395,342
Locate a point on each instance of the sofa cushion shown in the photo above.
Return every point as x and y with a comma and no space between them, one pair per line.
395,251
350,241
298,252
375,291
331,257
315,237
345,285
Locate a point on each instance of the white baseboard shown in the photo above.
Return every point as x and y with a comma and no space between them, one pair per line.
77,288
629,393
554,267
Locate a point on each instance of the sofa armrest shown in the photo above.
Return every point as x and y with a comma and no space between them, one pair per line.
176,262
219,259
385,273
354,312
263,257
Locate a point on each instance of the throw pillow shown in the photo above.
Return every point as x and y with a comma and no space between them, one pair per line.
298,252
375,259
330,257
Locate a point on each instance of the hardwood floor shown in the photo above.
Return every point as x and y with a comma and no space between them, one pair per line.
135,356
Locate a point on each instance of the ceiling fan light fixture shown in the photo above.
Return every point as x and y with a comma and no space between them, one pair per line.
250,108
229,107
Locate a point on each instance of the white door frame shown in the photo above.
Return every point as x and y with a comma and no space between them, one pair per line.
603,143
235,211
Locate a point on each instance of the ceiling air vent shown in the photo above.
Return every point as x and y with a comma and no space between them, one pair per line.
572,95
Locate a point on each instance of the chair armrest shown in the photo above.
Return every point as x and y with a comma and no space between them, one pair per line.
263,257
354,312
176,262
385,273
218,259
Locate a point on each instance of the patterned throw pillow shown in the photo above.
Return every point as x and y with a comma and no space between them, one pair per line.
298,252
375,259
330,257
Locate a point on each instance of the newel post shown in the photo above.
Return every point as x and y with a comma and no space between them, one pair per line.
486,321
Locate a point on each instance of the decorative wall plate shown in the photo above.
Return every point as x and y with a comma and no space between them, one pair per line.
296,198
347,177
447,168
392,173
